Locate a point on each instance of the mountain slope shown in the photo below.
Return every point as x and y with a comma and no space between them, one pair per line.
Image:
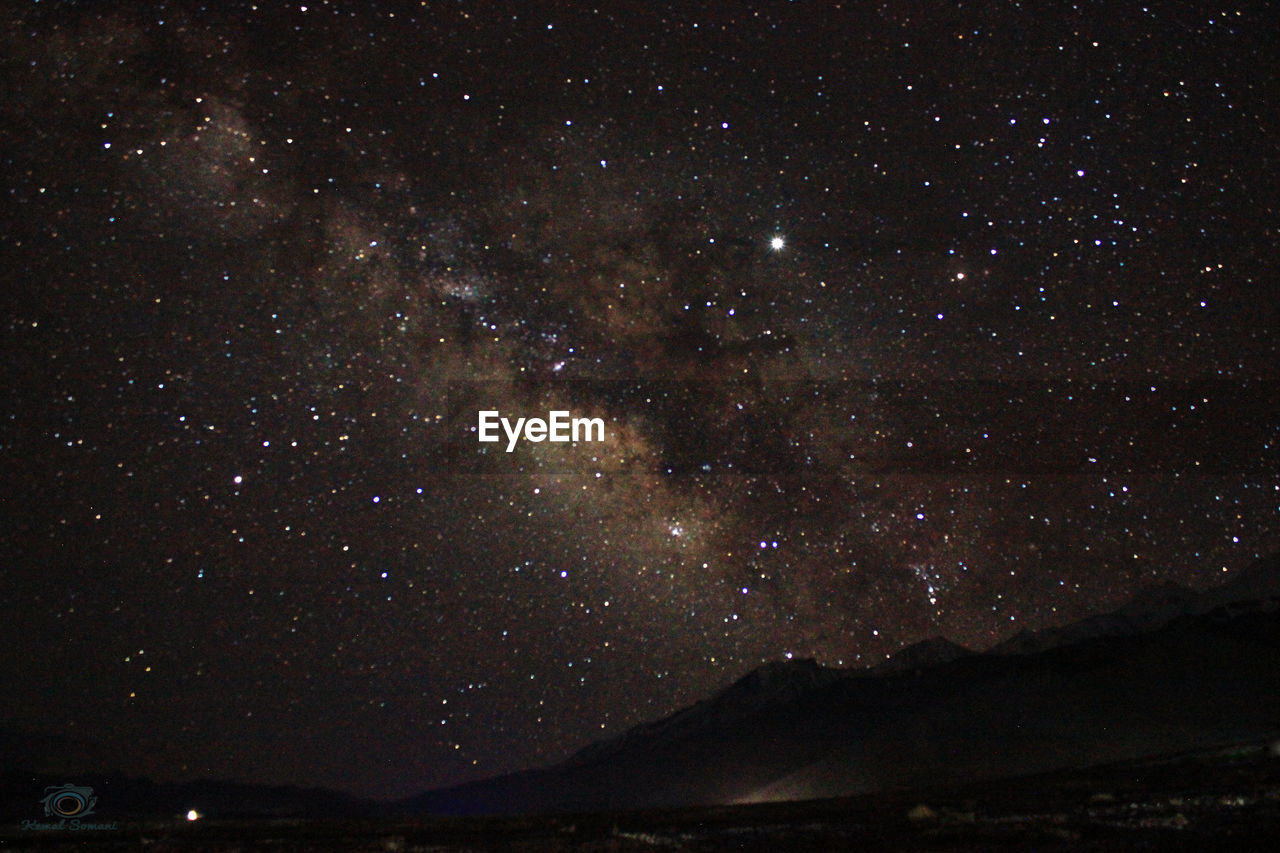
1171,671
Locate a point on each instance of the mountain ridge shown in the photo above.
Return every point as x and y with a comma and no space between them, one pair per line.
1171,669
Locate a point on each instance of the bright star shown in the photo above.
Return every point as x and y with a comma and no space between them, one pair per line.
777,243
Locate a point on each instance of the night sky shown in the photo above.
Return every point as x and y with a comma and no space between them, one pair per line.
904,319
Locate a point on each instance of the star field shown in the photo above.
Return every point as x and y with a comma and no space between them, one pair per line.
903,321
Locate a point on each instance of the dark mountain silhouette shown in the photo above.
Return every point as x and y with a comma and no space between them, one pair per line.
1257,585
1171,671
926,653
773,685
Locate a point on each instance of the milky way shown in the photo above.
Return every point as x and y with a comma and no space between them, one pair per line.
903,321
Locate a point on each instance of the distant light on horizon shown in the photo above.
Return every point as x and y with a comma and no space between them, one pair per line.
194,815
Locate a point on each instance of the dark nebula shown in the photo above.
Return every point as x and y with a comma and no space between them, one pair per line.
904,320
